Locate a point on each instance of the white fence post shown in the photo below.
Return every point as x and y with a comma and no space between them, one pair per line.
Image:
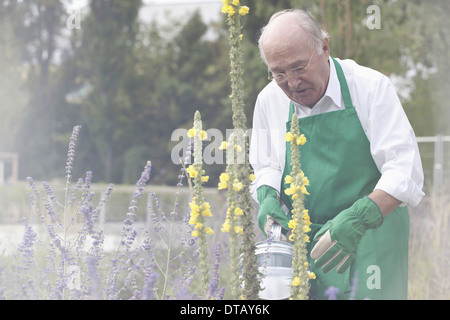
438,161
438,168
2,172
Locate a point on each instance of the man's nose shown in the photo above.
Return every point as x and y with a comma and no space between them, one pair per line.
293,82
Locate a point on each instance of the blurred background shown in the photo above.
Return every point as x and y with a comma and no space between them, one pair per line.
131,72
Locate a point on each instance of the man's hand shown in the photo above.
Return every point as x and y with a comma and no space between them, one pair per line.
338,239
269,206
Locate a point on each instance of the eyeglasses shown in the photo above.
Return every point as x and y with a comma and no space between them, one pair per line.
282,77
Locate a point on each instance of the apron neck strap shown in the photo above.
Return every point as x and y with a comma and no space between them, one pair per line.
344,89
343,83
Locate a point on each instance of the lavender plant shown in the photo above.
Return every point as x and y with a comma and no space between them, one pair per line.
68,260
69,225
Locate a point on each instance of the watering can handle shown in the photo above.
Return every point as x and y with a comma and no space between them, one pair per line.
276,232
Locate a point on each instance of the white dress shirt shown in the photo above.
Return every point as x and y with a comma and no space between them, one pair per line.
392,140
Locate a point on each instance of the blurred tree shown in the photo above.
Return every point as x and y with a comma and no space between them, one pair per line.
13,93
426,43
36,27
179,71
106,60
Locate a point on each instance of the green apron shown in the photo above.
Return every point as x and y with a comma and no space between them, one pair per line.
338,163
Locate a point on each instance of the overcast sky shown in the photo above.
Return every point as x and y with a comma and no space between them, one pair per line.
158,9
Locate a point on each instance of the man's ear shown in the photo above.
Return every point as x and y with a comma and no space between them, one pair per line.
326,46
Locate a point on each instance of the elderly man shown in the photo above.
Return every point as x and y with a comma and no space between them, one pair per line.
361,159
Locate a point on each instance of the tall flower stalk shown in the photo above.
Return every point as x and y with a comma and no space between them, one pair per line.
200,209
237,178
300,218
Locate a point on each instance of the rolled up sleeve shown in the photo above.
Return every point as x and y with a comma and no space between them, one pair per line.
394,147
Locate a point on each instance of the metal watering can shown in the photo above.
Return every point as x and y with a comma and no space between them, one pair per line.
275,264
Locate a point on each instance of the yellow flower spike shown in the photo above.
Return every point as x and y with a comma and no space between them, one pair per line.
226,226
290,191
305,181
306,214
224,177
192,171
288,137
222,186
223,145
207,213
312,275
192,220
235,2
237,185
194,207
208,230
238,212
296,282
205,178
191,133
291,224
302,140
244,10
194,233
303,190
288,179
230,11
198,225
225,7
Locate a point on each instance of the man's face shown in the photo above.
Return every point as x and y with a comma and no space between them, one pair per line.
289,50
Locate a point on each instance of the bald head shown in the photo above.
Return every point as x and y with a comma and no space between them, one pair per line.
291,26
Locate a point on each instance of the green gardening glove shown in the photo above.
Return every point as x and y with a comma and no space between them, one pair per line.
269,208
338,239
